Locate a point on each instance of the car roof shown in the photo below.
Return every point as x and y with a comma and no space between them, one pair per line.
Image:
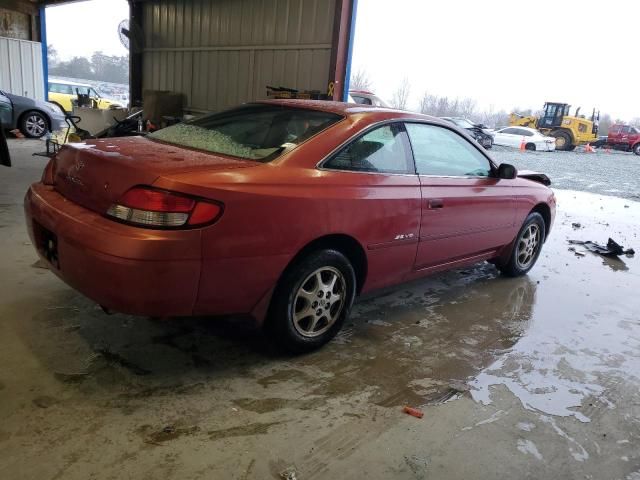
66,82
351,109
528,129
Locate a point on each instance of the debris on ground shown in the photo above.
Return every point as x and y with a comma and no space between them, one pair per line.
289,474
613,249
577,252
16,133
413,412
459,387
576,225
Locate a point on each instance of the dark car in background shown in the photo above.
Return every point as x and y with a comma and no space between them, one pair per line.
34,118
476,131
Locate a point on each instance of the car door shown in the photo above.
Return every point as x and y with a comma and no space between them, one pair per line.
62,94
505,137
374,193
624,134
6,111
516,135
466,212
614,134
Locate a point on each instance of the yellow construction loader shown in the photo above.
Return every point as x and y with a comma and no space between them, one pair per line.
569,131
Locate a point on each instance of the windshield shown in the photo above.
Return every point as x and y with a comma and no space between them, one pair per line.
253,132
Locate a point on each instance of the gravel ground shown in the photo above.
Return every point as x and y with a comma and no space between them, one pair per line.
616,173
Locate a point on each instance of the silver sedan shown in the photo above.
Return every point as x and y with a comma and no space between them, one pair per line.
34,118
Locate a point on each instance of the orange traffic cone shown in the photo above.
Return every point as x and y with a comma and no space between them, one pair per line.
522,145
589,149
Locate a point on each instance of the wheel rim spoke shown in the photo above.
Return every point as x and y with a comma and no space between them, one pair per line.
528,245
35,125
318,302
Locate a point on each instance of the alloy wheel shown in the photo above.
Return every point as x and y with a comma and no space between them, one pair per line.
528,245
319,302
35,125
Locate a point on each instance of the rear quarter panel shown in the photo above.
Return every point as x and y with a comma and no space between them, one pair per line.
273,210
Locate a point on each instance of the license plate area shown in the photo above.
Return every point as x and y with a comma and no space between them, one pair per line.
47,244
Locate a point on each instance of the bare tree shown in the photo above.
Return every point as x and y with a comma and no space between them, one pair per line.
360,80
400,97
427,103
442,107
467,107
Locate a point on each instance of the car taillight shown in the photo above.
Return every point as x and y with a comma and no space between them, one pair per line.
151,207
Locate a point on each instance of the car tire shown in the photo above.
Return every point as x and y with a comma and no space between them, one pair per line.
34,124
636,149
526,247
304,314
530,146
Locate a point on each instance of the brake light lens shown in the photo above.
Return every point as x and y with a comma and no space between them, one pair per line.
151,207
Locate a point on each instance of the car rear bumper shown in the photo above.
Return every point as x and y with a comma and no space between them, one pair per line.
546,147
58,123
123,268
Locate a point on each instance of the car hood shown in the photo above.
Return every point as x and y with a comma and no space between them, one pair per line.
535,176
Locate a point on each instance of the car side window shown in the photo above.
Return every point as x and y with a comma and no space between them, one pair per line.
383,150
59,88
441,152
508,131
525,133
626,129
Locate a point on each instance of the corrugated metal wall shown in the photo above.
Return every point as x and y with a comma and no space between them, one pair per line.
21,68
223,52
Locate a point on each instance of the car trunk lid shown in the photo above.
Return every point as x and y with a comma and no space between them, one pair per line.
97,173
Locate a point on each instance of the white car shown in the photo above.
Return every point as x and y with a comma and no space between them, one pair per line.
532,138
366,98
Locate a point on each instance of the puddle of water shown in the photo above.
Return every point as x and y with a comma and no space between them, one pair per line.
584,334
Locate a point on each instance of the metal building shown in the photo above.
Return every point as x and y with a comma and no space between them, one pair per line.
220,53
21,65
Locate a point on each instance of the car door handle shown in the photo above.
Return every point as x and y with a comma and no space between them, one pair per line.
435,203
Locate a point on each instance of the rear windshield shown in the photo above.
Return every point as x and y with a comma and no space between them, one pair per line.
255,132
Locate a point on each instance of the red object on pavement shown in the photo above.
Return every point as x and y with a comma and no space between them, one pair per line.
413,412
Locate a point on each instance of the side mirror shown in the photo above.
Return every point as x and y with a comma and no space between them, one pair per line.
507,172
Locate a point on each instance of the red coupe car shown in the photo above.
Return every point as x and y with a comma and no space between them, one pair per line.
281,210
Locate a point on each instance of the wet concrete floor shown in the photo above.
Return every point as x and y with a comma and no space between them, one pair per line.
535,377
